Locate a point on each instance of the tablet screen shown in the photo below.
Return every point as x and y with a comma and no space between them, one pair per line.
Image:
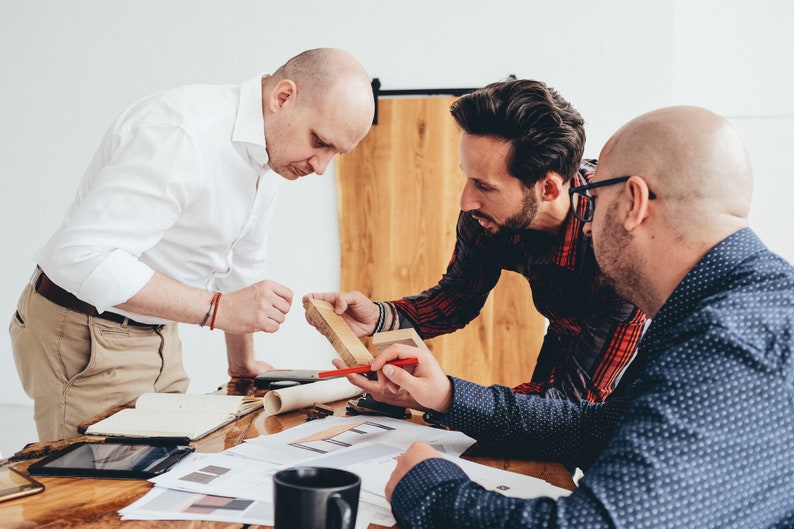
111,460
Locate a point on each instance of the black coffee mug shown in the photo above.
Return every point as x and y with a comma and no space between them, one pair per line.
315,498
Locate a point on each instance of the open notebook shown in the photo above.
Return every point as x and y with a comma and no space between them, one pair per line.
176,415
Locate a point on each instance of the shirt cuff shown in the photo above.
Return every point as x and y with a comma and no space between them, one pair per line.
464,393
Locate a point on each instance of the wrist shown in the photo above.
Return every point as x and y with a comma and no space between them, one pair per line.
388,320
446,404
211,308
381,317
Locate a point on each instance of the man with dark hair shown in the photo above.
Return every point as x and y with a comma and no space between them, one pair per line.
521,150
170,225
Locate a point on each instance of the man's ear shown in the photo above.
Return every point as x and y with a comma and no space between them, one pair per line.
637,194
550,187
281,95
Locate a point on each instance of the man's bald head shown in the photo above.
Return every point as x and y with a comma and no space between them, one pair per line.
691,158
689,188
317,105
321,73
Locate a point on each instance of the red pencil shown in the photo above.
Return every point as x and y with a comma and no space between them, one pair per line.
365,369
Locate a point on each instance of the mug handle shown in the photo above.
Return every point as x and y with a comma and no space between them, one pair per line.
343,510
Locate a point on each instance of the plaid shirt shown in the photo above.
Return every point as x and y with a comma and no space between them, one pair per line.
592,332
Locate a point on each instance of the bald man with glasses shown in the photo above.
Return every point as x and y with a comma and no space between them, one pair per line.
700,431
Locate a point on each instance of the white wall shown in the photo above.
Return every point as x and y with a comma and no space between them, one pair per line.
67,68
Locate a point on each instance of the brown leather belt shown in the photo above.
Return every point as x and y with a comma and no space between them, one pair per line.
67,300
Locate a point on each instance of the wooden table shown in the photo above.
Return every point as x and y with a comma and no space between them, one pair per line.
94,503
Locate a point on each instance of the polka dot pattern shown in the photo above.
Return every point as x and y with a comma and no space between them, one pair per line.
699,435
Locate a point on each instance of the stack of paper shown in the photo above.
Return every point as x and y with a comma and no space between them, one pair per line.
237,485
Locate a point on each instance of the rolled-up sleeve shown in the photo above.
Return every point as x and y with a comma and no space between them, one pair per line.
135,196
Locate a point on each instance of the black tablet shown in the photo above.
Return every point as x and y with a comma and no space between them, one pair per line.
115,458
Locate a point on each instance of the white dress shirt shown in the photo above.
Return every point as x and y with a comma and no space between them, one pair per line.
180,186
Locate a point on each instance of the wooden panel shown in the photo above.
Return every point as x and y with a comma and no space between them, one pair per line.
336,330
399,196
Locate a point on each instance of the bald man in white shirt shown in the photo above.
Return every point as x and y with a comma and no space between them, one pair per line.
169,225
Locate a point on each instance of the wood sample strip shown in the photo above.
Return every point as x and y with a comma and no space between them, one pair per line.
408,336
338,332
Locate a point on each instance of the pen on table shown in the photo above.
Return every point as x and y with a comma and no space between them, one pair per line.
365,368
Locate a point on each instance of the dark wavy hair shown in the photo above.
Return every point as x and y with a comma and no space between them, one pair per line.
545,132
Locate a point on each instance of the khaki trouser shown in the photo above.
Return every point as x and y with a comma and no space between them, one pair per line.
75,366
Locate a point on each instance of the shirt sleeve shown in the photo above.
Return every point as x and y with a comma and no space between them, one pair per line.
142,177
462,291
437,493
574,433
701,438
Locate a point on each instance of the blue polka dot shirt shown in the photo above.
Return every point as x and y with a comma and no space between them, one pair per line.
699,434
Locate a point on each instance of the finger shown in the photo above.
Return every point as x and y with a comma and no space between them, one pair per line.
280,304
307,297
386,385
395,352
369,386
340,303
270,326
282,291
271,314
399,377
334,298
393,480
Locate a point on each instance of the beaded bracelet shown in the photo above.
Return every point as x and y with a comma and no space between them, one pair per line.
395,320
381,317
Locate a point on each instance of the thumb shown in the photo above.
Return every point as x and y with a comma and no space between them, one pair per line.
399,376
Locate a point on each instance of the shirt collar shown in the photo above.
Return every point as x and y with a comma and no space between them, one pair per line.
707,276
565,254
249,126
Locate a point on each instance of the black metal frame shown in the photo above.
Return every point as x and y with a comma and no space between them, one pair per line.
377,93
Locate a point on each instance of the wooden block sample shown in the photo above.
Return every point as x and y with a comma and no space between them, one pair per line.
381,340
338,332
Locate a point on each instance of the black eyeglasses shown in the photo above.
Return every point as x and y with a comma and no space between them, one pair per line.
581,194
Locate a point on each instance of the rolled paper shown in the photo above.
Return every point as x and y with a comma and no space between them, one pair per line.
324,391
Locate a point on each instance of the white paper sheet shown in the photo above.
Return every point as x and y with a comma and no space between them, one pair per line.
237,485
291,446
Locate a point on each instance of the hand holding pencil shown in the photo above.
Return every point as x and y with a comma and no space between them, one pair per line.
425,387
365,369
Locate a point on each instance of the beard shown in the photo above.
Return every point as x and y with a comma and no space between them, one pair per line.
519,221
615,258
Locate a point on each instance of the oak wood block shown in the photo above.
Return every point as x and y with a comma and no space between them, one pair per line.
382,340
338,332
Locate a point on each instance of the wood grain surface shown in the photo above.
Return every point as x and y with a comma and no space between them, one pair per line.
338,332
94,503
